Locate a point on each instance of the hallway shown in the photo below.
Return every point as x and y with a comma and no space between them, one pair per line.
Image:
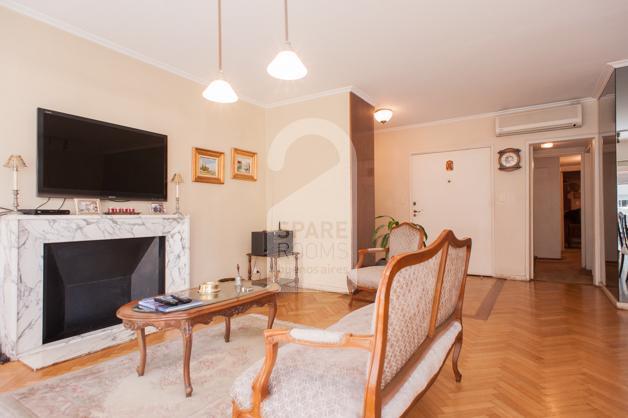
566,270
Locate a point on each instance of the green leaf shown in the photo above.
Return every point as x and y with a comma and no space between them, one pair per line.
376,231
385,241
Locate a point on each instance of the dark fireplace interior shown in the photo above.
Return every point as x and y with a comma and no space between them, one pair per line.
85,282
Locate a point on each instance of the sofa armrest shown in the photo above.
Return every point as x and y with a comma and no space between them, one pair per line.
308,337
364,251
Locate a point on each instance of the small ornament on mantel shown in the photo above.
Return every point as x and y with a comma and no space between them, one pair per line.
177,179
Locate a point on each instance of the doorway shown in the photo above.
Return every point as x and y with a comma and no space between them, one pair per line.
453,190
562,181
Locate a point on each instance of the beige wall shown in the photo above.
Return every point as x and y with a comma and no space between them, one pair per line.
393,148
309,185
45,67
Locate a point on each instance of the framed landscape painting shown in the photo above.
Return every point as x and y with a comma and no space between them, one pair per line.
209,166
243,164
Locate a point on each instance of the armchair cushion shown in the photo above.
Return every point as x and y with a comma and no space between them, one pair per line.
309,382
368,277
304,376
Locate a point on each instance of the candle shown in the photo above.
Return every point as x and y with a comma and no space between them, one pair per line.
15,178
177,190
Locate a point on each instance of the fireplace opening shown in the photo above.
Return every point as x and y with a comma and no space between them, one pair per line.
85,282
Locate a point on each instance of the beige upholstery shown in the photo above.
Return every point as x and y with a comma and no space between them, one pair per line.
403,239
411,301
454,273
368,277
324,381
330,383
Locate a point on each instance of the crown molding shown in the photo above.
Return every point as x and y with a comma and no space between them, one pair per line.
313,96
489,114
73,30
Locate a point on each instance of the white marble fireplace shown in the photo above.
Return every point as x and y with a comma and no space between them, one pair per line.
22,239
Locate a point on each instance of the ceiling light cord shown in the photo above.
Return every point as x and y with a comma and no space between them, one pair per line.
220,36
285,20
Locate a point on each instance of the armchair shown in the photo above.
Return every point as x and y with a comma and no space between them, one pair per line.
377,360
404,238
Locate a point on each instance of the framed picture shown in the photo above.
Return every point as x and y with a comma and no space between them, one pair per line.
243,164
87,206
209,166
157,208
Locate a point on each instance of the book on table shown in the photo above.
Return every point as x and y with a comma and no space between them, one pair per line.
151,304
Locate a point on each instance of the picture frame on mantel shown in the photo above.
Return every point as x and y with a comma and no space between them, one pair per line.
208,166
243,164
87,206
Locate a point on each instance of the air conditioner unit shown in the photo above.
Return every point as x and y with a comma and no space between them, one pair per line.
548,119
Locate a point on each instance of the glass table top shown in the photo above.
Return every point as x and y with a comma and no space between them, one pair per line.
228,291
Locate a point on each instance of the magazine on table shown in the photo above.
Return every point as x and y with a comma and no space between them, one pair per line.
168,303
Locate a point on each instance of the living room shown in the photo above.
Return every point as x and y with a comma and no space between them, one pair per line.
299,161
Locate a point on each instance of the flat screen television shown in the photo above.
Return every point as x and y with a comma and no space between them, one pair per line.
77,156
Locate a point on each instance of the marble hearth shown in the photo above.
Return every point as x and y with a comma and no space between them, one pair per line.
22,239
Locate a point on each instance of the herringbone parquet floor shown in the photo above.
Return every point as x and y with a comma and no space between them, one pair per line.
534,349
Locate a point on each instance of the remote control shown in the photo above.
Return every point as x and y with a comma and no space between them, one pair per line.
181,299
166,301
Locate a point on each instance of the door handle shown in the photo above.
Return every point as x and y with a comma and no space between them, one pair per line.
416,212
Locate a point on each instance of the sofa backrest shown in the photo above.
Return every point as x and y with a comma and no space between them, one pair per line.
405,238
419,292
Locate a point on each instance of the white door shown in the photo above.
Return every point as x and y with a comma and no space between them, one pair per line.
459,199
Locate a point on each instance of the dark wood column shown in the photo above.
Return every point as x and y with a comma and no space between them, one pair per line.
363,140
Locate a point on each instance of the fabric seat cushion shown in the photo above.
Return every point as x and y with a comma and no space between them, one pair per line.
368,277
307,377
423,372
309,382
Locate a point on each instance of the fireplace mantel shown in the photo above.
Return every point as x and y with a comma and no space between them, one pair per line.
22,238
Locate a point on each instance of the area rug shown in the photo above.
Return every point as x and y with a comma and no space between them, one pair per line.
113,389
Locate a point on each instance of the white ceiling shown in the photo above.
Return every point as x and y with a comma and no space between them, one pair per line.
428,60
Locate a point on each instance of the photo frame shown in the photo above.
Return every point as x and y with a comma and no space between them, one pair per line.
157,208
208,166
87,206
243,164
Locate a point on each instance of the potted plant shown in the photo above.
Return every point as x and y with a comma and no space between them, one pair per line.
389,225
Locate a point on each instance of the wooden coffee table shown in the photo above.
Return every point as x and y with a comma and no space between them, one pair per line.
226,303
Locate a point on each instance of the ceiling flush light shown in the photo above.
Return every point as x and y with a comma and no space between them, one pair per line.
286,65
383,115
219,90
547,145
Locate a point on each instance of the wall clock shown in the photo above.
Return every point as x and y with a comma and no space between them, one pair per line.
509,159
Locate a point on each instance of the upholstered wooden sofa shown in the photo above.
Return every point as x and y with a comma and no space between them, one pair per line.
404,238
377,360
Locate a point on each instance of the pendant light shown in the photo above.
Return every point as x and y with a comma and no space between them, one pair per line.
286,65
219,90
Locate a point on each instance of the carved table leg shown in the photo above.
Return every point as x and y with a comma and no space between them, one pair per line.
141,343
186,332
227,328
272,312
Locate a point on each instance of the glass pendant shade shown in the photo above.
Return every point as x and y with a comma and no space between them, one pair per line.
383,115
220,91
287,66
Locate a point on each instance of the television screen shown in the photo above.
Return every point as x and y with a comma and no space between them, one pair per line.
84,157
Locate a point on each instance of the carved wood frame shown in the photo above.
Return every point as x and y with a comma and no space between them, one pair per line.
376,344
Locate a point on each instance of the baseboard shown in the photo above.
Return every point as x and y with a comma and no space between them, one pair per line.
615,302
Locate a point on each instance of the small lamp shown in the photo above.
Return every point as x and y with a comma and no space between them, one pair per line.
177,179
15,162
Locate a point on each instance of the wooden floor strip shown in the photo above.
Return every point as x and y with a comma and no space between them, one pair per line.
485,309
